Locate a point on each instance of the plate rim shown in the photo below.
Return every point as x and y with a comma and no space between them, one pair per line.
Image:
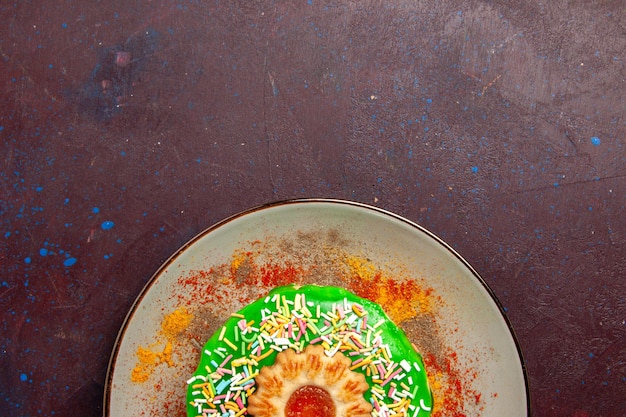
134,306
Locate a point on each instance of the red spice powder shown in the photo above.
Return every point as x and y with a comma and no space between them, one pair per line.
203,288
449,385
274,275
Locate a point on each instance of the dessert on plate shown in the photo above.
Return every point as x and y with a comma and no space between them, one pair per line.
309,351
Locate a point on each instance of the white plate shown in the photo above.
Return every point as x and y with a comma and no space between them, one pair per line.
464,331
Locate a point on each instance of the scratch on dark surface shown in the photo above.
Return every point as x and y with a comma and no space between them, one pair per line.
269,167
486,87
273,84
26,74
265,126
569,125
521,265
172,227
62,302
568,184
612,348
8,290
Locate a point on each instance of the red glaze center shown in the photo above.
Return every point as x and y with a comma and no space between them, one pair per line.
310,401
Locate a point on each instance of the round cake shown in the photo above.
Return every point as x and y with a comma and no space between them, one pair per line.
309,348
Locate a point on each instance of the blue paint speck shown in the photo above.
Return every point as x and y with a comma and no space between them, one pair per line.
95,210
69,261
7,234
474,169
595,141
107,225
23,377
27,260
64,25
43,252
556,184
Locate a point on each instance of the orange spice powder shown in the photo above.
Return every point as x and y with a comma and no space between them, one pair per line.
402,300
148,359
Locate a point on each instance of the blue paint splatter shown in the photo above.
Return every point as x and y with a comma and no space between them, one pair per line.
27,260
23,377
107,225
95,210
43,252
595,141
69,261
474,169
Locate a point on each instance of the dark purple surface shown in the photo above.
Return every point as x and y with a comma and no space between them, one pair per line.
128,127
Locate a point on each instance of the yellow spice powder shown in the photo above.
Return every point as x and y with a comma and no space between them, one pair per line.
148,359
175,323
239,257
140,373
360,267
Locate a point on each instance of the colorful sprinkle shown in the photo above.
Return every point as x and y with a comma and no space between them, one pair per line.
284,323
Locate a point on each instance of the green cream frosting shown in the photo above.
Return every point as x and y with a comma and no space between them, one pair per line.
294,317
